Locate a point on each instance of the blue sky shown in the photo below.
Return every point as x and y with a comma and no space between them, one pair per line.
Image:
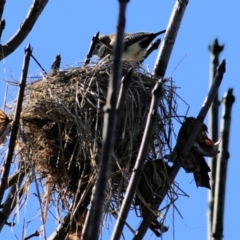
66,27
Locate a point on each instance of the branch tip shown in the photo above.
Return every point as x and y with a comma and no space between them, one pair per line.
222,66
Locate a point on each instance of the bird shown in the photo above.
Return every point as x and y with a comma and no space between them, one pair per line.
135,45
202,146
56,63
153,179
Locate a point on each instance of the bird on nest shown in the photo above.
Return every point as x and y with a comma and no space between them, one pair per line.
135,45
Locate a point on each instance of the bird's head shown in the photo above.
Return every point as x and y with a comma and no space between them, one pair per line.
103,47
99,50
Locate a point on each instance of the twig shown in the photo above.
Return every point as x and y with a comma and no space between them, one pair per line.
125,83
215,50
14,132
62,230
93,43
10,224
138,168
221,171
93,220
36,234
11,202
2,26
13,179
2,3
38,63
170,38
177,164
25,28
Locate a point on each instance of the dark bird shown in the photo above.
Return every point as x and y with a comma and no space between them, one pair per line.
56,63
135,45
202,146
153,179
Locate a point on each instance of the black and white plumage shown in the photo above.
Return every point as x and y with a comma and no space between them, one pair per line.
134,47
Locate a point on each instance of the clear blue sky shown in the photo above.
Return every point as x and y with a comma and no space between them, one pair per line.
66,27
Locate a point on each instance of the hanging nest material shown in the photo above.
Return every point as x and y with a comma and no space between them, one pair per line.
62,119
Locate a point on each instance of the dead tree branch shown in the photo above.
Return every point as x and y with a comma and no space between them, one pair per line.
62,230
25,28
177,164
137,170
92,223
2,26
2,3
215,50
11,202
165,51
7,165
221,171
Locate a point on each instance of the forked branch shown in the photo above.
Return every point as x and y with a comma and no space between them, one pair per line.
25,28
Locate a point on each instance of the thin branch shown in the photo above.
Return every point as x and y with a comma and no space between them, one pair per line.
25,28
221,171
125,83
14,132
62,230
36,234
11,202
2,3
215,50
93,43
165,51
38,63
92,223
13,179
2,26
177,164
138,168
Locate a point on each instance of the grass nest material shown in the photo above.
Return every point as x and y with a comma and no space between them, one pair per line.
62,120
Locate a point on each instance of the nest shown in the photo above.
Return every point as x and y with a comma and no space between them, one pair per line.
62,119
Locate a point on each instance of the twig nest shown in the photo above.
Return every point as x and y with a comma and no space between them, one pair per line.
63,120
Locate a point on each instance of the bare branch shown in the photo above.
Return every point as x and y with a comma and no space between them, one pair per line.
221,171
36,234
2,26
38,63
165,51
9,205
62,230
137,171
125,83
25,28
215,50
177,164
92,223
14,132
2,3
